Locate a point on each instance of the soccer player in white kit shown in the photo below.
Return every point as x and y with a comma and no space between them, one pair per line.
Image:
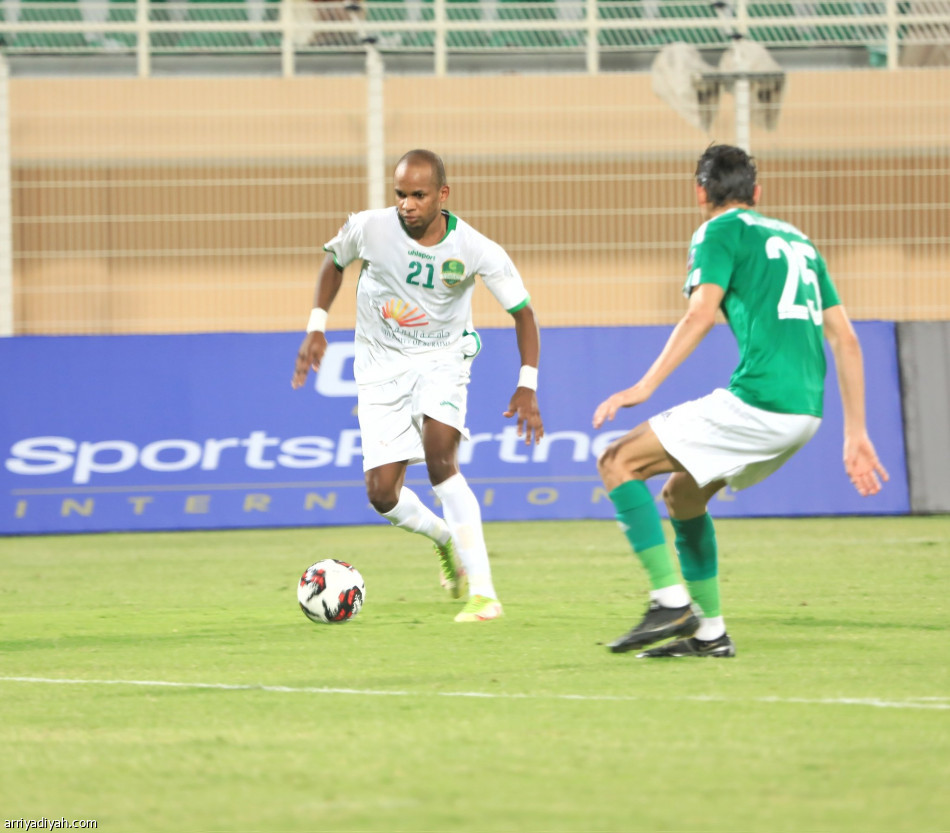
414,349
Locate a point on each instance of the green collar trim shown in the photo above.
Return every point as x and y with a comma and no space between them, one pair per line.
451,221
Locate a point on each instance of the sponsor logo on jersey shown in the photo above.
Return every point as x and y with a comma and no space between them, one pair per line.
405,316
453,272
423,255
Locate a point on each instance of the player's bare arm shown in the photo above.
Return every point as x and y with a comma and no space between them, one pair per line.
860,459
687,334
314,345
524,401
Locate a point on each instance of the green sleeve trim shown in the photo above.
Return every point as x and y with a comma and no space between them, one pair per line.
339,265
478,343
522,305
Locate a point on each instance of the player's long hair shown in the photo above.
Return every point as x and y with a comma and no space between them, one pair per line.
728,175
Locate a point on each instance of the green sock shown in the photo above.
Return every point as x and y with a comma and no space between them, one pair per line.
638,516
698,555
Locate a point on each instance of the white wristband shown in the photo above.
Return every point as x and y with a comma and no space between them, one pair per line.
318,320
528,377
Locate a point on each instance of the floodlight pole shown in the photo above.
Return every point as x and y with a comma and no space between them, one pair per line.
6,216
741,82
375,144
743,117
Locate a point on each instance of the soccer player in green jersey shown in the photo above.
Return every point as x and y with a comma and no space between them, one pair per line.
774,290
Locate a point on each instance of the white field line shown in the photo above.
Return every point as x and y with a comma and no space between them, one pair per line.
941,703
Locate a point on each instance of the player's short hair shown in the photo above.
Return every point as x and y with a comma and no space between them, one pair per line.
728,175
433,160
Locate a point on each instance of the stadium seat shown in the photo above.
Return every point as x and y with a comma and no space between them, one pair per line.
381,11
534,10
783,26
658,35
623,10
852,34
778,33
718,36
268,10
48,11
465,10
218,11
214,10
456,10
120,11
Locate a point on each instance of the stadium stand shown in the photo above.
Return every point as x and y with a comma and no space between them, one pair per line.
49,11
774,23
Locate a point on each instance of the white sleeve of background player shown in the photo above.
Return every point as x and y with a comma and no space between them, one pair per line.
502,278
346,244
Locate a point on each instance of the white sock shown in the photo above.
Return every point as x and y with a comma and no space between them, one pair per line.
411,514
464,517
673,596
710,628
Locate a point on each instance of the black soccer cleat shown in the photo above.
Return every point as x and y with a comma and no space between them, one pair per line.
722,646
658,624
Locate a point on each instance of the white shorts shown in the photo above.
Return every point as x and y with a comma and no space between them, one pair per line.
391,412
720,437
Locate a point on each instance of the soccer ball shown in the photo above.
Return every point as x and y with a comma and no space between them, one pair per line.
331,591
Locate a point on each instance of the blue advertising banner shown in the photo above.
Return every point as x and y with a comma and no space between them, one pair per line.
204,431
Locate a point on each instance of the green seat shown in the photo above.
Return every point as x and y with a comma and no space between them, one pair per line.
465,10
382,11
658,34
214,11
416,40
623,10
162,42
847,34
777,32
49,11
121,11
713,36
456,10
268,40
531,10
842,33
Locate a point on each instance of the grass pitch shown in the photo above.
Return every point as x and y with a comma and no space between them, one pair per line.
203,700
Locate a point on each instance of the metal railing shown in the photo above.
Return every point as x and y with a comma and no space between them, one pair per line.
438,29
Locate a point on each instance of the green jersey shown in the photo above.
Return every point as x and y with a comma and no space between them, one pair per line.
776,285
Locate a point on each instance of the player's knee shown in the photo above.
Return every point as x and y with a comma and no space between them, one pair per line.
607,465
671,496
441,468
681,497
382,499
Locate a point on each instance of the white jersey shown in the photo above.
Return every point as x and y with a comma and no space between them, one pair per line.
415,301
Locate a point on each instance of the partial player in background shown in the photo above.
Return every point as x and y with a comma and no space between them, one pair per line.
775,292
414,349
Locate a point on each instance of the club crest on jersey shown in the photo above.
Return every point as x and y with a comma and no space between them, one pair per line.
405,316
453,272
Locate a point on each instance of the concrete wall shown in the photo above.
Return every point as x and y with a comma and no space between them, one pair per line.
193,204
924,349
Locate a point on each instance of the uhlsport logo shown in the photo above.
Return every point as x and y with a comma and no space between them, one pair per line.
453,272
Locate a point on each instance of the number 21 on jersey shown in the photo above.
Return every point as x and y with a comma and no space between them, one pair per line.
415,270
